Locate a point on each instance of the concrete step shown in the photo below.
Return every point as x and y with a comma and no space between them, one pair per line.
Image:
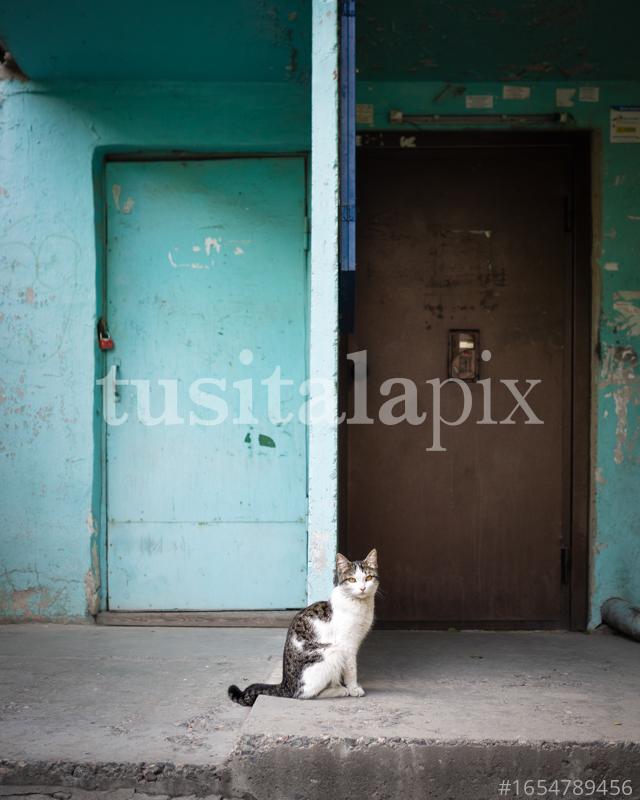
104,708
446,716
452,715
316,768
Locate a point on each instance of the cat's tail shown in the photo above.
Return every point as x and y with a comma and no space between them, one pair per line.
249,696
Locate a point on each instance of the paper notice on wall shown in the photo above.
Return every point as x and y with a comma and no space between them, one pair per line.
478,101
589,94
364,114
516,92
625,124
565,97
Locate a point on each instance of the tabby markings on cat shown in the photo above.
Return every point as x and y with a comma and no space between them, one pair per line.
321,648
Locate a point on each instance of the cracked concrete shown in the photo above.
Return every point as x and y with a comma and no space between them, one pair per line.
131,712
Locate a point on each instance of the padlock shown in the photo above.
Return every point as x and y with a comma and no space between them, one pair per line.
105,342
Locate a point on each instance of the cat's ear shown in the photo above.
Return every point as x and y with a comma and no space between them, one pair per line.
372,559
342,563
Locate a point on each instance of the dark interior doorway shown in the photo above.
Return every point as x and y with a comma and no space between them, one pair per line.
476,242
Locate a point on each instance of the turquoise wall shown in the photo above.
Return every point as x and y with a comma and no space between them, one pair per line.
242,40
51,139
615,524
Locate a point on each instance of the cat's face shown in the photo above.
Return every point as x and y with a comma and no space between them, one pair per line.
357,579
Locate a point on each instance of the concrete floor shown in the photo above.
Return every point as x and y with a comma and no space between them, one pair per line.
86,695
477,686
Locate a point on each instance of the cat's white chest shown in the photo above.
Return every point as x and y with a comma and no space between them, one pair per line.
349,624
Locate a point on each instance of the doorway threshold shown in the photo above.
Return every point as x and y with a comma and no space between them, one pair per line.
199,619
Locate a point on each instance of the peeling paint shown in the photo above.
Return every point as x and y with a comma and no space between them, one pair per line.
627,312
116,192
618,366
185,265
91,523
321,547
91,593
22,600
211,242
618,371
621,398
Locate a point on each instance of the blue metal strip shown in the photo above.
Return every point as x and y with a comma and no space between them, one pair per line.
348,136
347,220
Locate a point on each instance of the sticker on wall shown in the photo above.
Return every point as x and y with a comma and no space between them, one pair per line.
364,114
625,124
589,94
565,97
478,101
516,92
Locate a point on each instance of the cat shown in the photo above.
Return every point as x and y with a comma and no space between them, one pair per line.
323,639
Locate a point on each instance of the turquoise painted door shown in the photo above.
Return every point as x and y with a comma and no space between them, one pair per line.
206,288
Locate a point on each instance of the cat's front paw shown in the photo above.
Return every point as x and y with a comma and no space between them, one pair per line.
356,691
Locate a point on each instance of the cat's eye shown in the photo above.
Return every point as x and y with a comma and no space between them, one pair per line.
369,578
351,580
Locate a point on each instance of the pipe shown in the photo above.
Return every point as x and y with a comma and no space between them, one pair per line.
622,616
400,118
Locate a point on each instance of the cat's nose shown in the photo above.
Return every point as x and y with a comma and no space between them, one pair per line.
363,588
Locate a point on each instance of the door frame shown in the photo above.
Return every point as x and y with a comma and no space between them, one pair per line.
578,217
99,517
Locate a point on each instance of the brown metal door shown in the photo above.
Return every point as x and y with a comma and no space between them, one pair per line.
478,238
